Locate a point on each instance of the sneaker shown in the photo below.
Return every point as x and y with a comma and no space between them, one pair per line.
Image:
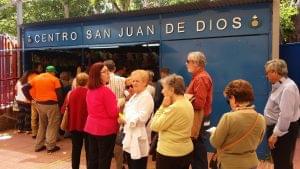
40,149
28,132
20,131
56,148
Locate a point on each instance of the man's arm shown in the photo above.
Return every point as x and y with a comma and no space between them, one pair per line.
59,95
26,88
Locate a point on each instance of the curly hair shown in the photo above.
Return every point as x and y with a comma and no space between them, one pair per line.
241,89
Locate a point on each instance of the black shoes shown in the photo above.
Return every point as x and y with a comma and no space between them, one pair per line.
56,148
40,149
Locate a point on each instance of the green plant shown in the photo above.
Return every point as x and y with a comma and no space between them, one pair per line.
287,12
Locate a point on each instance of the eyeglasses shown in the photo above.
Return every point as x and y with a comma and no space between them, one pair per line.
227,100
189,61
105,71
128,86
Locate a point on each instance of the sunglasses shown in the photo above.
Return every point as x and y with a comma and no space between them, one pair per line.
227,100
189,61
129,86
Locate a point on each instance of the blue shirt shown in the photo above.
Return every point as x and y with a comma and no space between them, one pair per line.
283,106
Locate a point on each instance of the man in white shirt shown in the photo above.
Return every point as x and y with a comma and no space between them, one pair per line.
282,112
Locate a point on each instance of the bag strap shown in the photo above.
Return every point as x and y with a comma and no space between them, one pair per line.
241,138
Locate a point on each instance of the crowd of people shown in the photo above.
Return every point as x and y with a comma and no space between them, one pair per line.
130,117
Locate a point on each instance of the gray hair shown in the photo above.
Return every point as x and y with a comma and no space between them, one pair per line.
277,65
198,57
176,82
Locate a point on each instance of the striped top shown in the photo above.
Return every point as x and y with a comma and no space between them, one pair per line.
117,85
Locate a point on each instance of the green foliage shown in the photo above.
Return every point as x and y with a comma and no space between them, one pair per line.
287,11
8,19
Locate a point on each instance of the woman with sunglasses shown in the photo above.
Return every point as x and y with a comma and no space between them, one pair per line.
137,112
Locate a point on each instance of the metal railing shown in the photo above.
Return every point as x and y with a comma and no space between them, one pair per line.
8,70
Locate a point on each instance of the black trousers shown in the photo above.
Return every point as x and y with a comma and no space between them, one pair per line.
24,117
77,142
100,151
136,164
167,162
283,153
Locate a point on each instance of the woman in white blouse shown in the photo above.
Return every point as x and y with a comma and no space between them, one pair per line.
137,112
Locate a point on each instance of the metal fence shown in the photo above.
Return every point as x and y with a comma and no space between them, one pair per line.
8,70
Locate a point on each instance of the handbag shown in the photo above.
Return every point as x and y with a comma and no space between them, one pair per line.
214,163
65,120
120,137
15,106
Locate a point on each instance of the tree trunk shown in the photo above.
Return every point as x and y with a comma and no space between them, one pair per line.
65,4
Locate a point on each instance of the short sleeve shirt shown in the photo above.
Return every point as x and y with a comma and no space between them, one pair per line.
44,86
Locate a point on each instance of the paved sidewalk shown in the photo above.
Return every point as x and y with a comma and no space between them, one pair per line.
17,152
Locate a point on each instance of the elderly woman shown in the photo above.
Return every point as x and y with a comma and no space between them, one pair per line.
76,103
282,112
137,112
101,124
240,131
173,121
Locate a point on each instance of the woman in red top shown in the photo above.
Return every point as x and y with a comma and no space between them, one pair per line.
76,103
101,125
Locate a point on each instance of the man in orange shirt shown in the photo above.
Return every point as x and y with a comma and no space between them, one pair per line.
201,89
47,89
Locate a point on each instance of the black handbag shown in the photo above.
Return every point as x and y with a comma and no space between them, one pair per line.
213,163
153,144
120,137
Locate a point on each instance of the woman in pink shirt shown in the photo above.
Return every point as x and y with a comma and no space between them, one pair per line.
101,124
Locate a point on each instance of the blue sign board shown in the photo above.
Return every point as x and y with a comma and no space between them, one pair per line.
194,24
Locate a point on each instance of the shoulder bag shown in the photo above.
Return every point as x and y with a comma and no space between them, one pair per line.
65,120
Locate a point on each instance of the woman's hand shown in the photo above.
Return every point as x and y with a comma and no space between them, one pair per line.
121,119
166,102
121,103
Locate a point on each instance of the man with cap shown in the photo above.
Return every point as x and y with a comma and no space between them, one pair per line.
47,96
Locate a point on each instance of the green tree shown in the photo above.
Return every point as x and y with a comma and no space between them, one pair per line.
287,26
7,18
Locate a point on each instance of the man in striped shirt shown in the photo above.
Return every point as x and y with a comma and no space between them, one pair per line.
116,83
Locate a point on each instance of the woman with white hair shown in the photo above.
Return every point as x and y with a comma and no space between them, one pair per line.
137,112
173,121
282,112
